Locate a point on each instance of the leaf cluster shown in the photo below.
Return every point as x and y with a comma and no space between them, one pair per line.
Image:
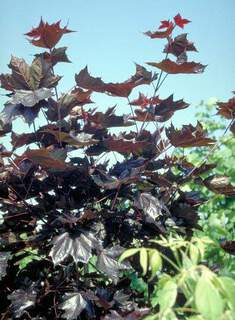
74,195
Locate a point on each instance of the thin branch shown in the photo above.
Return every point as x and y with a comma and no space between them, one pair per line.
35,133
115,198
45,116
132,111
58,109
160,81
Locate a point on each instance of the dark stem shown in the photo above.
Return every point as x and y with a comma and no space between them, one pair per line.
133,114
35,133
156,88
45,116
58,110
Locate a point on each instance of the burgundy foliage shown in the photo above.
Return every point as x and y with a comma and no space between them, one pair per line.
71,212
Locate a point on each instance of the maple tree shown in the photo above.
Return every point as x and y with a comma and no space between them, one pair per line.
67,214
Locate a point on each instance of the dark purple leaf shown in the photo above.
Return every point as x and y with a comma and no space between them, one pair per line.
22,300
154,210
11,111
134,315
4,257
228,246
73,304
123,169
78,246
220,184
179,46
107,262
189,136
85,80
4,128
55,56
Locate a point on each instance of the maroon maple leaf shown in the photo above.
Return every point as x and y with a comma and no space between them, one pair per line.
180,22
47,35
165,24
161,34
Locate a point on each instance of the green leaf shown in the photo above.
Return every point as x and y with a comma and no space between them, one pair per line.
137,284
32,256
228,315
228,286
144,260
187,263
24,236
128,253
196,318
207,298
166,296
91,264
194,253
152,317
155,262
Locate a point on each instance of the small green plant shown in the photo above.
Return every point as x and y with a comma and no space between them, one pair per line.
191,290
217,217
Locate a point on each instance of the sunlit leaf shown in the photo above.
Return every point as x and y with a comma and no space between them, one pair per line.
207,298
227,109
78,246
180,22
220,184
73,304
29,77
155,262
228,286
47,35
128,253
30,98
166,296
144,260
4,257
153,209
188,136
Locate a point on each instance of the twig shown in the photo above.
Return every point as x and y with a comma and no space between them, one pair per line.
132,114
156,88
115,198
54,305
35,133
45,116
58,109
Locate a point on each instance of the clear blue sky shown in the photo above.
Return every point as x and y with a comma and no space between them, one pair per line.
109,40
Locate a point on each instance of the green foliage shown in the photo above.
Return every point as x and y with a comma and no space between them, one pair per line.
217,213
192,291
27,256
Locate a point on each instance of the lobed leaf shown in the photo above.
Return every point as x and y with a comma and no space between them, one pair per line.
142,76
47,35
78,246
172,67
73,304
188,136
